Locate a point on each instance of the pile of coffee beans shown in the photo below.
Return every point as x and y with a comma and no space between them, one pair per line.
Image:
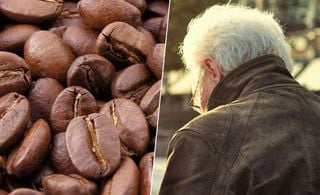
79,93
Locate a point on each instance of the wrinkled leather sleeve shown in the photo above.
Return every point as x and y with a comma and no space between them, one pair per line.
190,165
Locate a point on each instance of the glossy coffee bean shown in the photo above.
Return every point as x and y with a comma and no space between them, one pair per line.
118,10
70,103
125,181
92,72
132,83
24,160
82,40
131,124
25,191
71,185
69,16
31,11
122,50
14,74
59,156
149,103
13,37
145,168
48,56
156,59
98,140
14,117
41,99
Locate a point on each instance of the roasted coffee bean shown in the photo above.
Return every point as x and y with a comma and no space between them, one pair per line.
163,29
131,124
153,25
132,83
48,56
145,167
122,50
59,157
25,191
13,37
59,31
24,160
70,103
98,140
41,99
92,72
69,16
71,185
101,103
14,117
149,103
125,181
118,10
155,59
140,4
82,40
14,74
31,11
157,8
147,34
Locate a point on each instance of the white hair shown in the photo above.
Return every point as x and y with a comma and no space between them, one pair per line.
233,35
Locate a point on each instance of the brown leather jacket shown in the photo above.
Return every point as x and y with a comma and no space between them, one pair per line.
260,137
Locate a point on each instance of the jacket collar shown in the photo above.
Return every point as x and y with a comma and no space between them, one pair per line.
263,71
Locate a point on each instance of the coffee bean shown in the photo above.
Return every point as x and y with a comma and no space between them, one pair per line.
92,72
147,34
69,16
114,44
153,25
118,10
24,160
59,157
140,4
131,124
59,31
31,11
132,83
14,117
25,191
41,99
149,103
14,74
157,8
36,181
125,181
98,140
71,185
145,167
48,56
156,59
82,40
163,29
13,37
70,103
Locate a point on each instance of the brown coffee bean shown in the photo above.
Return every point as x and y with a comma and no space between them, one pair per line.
41,99
157,8
98,140
145,167
59,157
149,103
155,59
163,29
59,31
71,185
92,72
140,4
24,160
14,117
82,40
121,49
147,34
125,181
48,56
13,37
25,191
132,83
14,74
69,16
131,124
70,103
153,25
118,10
31,11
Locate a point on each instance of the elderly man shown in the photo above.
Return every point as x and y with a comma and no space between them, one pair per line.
259,130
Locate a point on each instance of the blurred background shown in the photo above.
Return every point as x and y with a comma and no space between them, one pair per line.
301,22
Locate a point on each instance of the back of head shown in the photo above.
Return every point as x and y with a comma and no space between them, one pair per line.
233,35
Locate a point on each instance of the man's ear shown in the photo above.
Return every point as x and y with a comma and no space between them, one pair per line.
213,68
